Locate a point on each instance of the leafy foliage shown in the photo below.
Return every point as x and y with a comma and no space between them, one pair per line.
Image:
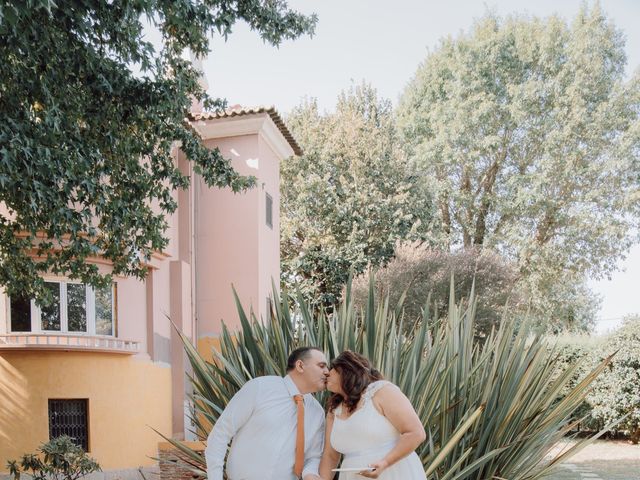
571,349
617,390
59,459
417,270
528,134
87,163
349,198
490,411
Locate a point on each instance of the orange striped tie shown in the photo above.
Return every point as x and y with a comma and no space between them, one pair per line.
297,467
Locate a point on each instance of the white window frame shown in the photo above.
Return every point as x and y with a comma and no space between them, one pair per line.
90,309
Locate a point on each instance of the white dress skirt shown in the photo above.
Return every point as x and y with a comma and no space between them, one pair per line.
366,437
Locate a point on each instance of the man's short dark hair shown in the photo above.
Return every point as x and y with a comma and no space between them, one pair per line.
301,353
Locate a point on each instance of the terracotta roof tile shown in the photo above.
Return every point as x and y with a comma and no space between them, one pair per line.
237,110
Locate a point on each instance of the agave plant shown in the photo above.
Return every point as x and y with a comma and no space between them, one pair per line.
491,410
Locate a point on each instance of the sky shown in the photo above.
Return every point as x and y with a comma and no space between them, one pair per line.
383,43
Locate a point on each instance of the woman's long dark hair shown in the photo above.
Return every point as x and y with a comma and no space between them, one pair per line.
356,374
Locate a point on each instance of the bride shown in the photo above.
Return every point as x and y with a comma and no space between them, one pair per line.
370,423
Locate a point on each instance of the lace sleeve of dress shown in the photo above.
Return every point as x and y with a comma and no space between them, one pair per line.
372,388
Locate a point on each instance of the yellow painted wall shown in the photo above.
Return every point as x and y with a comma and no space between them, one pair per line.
126,396
205,345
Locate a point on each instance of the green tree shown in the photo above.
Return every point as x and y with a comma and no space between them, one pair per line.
418,271
86,164
349,198
528,134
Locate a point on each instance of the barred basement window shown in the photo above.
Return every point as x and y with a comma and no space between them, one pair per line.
70,417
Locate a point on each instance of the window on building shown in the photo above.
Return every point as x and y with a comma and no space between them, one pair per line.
269,312
50,315
70,417
76,308
269,210
105,311
20,314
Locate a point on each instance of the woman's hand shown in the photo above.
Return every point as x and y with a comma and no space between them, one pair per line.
379,467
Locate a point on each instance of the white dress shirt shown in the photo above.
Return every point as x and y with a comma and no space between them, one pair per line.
261,420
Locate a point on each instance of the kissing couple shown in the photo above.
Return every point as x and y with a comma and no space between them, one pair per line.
278,430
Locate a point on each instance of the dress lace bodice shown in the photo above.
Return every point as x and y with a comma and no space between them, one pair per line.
365,428
366,436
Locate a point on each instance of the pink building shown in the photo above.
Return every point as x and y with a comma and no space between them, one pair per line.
108,365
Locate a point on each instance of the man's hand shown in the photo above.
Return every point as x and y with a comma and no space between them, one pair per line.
378,467
311,476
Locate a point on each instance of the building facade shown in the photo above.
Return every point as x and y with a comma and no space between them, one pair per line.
107,364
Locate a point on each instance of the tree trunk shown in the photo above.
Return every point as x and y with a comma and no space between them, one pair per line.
466,217
486,190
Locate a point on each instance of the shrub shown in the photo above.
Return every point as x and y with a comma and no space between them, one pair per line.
58,459
421,270
490,410
617,391
577,350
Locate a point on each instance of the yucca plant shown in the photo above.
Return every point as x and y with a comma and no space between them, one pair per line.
491,411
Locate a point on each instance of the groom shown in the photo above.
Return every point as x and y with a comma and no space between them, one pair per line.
269,443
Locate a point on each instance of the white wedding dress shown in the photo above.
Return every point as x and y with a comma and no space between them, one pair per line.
366,436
